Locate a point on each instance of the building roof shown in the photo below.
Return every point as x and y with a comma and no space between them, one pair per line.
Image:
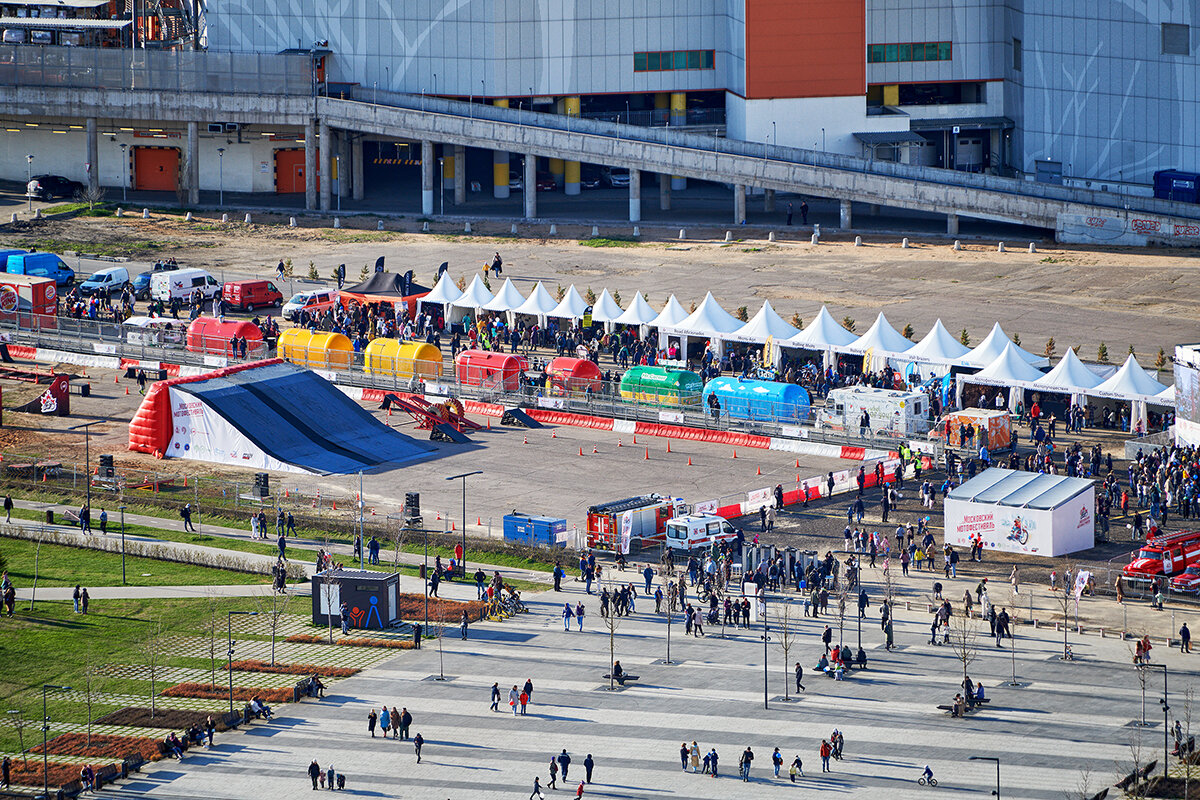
965,123
1006,487
67,24
890,137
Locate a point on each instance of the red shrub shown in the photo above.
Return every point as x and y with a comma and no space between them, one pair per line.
242,694
294,669
412,606
395,644
102,746
60,774
306,638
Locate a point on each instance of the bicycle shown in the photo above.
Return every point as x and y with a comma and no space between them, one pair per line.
930,781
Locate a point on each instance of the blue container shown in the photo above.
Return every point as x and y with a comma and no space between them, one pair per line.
536,531
743,398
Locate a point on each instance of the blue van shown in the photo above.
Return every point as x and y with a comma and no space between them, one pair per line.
4,254
41,265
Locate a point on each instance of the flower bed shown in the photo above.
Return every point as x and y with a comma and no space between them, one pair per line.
102,746
60,774
311,638
209,691
412,606
293,669
172,718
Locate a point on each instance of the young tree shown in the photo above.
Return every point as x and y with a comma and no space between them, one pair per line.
964,640
312,271
398,538
1160,361
1102,353
1187,758
559,292
742,313
1130,773
908,332
848,323
211,627
1082,789
92,687
590,296
612,622
272,607
1050,347
19,722
152,649
1016,339
92,196
1063,601
797,321
439,633
965,338
331,596
616,296
37,558
787,635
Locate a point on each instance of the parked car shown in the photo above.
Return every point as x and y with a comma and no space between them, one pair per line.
141,286
615,176
546,182
1189,581
589,176
515,182
47,187
110,281
249,295
312,300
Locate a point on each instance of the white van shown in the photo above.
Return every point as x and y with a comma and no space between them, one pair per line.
110,281
890,411
698,531
155,331
167,286
312,300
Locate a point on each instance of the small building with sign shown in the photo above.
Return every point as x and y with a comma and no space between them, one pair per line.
373,598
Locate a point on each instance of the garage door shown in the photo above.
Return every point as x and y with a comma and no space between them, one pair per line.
156,168
289,172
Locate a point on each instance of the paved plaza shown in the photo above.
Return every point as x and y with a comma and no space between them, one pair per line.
1063,718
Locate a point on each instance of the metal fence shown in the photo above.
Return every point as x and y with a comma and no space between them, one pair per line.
163,70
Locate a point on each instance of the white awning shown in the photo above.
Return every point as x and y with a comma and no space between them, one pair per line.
1070,376
572,306
605,308
938,347
766,324
444,292
822,333
475,296
671,315
538,304
638,313
708,320
881,339
1130,382
507,299
993,345
1009,369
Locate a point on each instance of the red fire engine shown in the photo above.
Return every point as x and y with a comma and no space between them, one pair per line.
647,517
1164,555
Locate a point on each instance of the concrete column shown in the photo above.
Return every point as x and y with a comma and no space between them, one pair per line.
739,204
571,108
310,165
356,167
448,166
769,200
93,155
635,195
530,186
193,163
427,165
324,168
500,162
678,119
846,219
952,224
664,192
460,174
558,170
343,167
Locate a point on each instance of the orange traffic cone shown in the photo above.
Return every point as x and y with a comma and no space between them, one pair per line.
525,440
452,527
618,442
479,520
286,493
439,516
797,463
594,450
335,505
184,481
389,411
689,461
117,378
735,452
127,391
581,451
43,477
647,454
668,445
553,434
759,471
489,423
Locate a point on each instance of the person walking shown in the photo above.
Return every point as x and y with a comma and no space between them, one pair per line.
186,513
588,764
714,758
314,772
528,687
579,791
826,751
83,599
495,696
567,615
1185,639
523,699
394,715
777,761
564,763
799,678
744,763
8,507
103,522
648,574
797,768
75,596
385,720
514,697
418,741
372,720
694,756
537,790
803,213
579,612
553,783
405,722
463,623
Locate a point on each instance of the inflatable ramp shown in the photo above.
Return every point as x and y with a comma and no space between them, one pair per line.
266,415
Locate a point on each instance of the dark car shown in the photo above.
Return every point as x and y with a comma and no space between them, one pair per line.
589,177
546,182
141,285
47,187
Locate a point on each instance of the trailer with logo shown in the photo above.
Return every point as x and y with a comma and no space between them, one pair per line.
632,523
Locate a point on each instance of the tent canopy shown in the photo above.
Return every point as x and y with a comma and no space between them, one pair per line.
993,345
572,306
823,333
387,285
709,319
1130,382
605,308
1034,490
475,296
638,313
671,315
444,292
1009,369
938,346
538,304
1069,376
507,299
881,338
763,325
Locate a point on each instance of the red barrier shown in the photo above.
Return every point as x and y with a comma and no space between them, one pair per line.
734,438
22,351
729,512
854,453
567,418
486,409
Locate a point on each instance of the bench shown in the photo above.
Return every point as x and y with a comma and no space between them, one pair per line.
71,516
624,678
949,709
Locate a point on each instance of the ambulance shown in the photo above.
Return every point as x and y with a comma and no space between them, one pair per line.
697,531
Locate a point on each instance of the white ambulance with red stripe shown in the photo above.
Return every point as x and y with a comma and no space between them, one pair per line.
697,531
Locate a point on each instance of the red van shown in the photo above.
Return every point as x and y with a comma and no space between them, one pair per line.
249,295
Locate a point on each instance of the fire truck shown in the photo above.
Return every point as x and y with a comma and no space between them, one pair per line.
645,516
1165,555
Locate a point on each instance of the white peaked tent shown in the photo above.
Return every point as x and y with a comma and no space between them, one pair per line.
606,310
1070,376
538,304
671,314
507,299
445,292
1166,397
938,347
763,325
1134,384
476,296
823,334
572,306
708,321
1009,370
639,313
993,345
881,340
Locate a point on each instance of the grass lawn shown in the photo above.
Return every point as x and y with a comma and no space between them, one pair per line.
59,565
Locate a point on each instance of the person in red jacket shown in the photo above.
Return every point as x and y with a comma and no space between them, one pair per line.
826,750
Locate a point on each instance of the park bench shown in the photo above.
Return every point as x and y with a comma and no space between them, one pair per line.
624,678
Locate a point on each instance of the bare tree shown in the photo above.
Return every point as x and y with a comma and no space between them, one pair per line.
152,652
1130,773
1083,788
92,195
841,614
331,595
786,636
37,558
1187,758
964,641
398,538
1063,602
19,722
211,627
612,622
93,681
439,633
272,608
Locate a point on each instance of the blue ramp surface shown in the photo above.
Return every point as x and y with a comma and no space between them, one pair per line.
300,418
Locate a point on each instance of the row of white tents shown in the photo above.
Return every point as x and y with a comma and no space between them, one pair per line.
998,360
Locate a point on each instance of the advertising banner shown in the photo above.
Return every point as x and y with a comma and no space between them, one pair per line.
1066,529
626,531
200,434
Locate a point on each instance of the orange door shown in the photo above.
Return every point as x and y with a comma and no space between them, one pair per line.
289,172
156,168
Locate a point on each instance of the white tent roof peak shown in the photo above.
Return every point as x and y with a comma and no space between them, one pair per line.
538,304
507,299
638,313
938,345
822,333
672,314
605,309
763,325
1070,375
709,319
444,291
572,306
881,337
1130,382
993,345
1009,368
476,295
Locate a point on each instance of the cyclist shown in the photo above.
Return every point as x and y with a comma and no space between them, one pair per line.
927,775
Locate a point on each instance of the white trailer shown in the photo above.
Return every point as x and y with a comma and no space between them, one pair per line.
889,411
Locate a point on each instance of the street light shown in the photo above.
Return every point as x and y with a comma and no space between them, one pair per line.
46,727
441,178
435,84
765,640
122,545
229,625
1166,708
990,758
374,93
774,134
28,180
124,172
87,456
337,168
221,174
464,477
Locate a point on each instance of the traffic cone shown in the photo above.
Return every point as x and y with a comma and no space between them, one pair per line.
668,445
618,442
553,434
594,450
286,493
439,516
479,520
335,505
797,463
760,471
525,440
635,438
647,454
452,527
489,423
127,391
689,461
185,481
389,411
581,451
735,452
117,378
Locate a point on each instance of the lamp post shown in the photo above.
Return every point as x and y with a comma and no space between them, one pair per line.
374,93
361,544
435,84
425,576
28,180
1166,708
229,629
45,728
464,477
442,186
122,545
221,175
765,640
822,140
87,456
124,172
990,758
774,134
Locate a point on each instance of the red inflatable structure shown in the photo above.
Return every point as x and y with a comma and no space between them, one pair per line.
492,370
211,335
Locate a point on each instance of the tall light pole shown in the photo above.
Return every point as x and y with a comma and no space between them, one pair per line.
28,180
45,728
765,640
374,93
124,172
990,758
774,134
464,477
1166,708
229,628
361,544
87,456
441,182
122,545
221,175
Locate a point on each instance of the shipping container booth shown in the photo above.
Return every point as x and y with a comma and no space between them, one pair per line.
572,376
747,399
403,359
373,598
661,386
211,335
534,531
490,370
315,350
996,427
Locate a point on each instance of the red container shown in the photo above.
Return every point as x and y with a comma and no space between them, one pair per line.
572,376
491,370
211,335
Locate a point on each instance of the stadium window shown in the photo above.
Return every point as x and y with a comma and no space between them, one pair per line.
905,52
693,59
707,59
945,51
674,60
1176,39
1016,55
653,62
874,53
639,62
889,52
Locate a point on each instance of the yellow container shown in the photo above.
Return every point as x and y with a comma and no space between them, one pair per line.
315,350
404,359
